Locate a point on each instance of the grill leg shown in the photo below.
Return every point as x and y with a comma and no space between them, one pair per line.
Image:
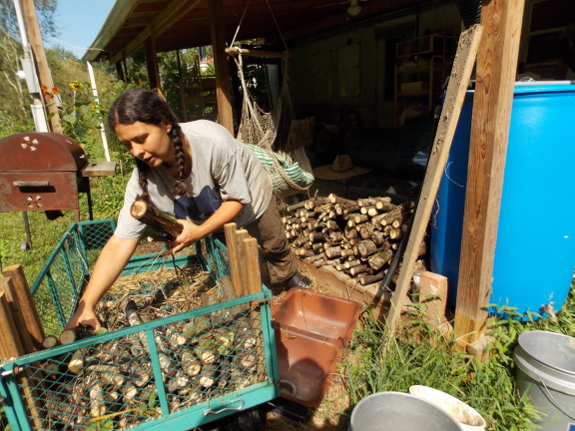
27,245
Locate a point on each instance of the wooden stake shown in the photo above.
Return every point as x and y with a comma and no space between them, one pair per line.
231,243
11,347
252,263
26,305
456,89
241,235
7,287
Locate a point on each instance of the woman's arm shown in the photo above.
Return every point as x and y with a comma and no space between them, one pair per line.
112,260
193,232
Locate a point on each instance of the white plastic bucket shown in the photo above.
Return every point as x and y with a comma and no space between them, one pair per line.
469,419
546,374
398,411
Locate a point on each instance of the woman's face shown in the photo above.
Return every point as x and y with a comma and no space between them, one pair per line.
147,142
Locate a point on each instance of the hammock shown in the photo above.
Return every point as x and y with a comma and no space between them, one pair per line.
274,136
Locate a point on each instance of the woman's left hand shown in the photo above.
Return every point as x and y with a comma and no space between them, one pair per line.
190,234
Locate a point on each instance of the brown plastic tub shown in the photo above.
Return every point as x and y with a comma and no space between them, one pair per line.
311,329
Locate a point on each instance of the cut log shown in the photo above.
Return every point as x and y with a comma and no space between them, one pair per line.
366,248
148,214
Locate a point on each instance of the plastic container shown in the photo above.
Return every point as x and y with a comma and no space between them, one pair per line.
312,330
469,419
545,372
398,411
535,249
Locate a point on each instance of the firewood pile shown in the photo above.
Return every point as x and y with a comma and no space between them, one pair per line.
358,238
113,385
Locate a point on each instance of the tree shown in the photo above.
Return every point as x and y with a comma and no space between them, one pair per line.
45,9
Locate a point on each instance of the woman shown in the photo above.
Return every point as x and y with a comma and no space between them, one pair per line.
197,172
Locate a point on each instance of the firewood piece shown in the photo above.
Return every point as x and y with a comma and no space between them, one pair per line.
332,252
294,207
384,205
366,230
366,202
360,218
303,252
366,210
26,305
108,373
351,263
358,269
317,237
395,234
378,237
366,248
70,335
379,260
148,214
368,279
317,248
336,236
50,341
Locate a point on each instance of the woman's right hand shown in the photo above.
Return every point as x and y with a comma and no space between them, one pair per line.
85,316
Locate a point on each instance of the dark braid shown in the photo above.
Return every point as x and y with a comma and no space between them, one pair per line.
143,180
179,188
138,104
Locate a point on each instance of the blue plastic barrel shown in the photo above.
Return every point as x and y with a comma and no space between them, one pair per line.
535,248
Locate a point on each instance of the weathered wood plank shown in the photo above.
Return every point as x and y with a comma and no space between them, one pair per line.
496,71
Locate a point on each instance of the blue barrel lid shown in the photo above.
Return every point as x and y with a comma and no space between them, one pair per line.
532,87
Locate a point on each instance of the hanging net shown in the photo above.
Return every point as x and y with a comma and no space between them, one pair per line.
276,137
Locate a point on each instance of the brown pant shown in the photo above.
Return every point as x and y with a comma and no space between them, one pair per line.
269,232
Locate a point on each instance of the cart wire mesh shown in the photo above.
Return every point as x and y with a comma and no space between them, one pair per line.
180,366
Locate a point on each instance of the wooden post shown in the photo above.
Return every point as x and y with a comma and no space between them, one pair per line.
458,82
222,76
11,347
252,264
7,287
496,72
152,63
241,235
26,305
231,244
44,75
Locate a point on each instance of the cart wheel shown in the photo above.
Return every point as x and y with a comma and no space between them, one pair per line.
251,420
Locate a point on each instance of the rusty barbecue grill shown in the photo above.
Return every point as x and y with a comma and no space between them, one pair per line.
41,172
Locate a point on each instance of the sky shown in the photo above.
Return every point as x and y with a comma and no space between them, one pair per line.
79,23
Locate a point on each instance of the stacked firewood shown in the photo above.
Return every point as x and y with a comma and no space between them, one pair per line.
359,238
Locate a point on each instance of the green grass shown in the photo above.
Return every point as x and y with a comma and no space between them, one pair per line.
430,360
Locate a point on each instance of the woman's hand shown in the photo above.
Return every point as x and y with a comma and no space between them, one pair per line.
192,232
85,316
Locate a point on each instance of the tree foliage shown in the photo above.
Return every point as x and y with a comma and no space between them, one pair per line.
45,10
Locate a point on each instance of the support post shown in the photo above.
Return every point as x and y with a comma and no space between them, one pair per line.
35,37
223,96
152,63
495,76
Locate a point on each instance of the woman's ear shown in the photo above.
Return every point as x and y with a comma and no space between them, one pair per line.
167,125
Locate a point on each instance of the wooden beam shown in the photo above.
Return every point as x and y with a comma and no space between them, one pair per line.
44,75
496,72
171,14
256,52
152,63
456,89
223,95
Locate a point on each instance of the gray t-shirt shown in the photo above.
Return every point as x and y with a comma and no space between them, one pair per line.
222,169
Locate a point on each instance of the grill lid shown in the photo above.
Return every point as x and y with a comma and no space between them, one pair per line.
40,152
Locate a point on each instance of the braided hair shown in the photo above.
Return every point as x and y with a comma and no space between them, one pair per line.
138,104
